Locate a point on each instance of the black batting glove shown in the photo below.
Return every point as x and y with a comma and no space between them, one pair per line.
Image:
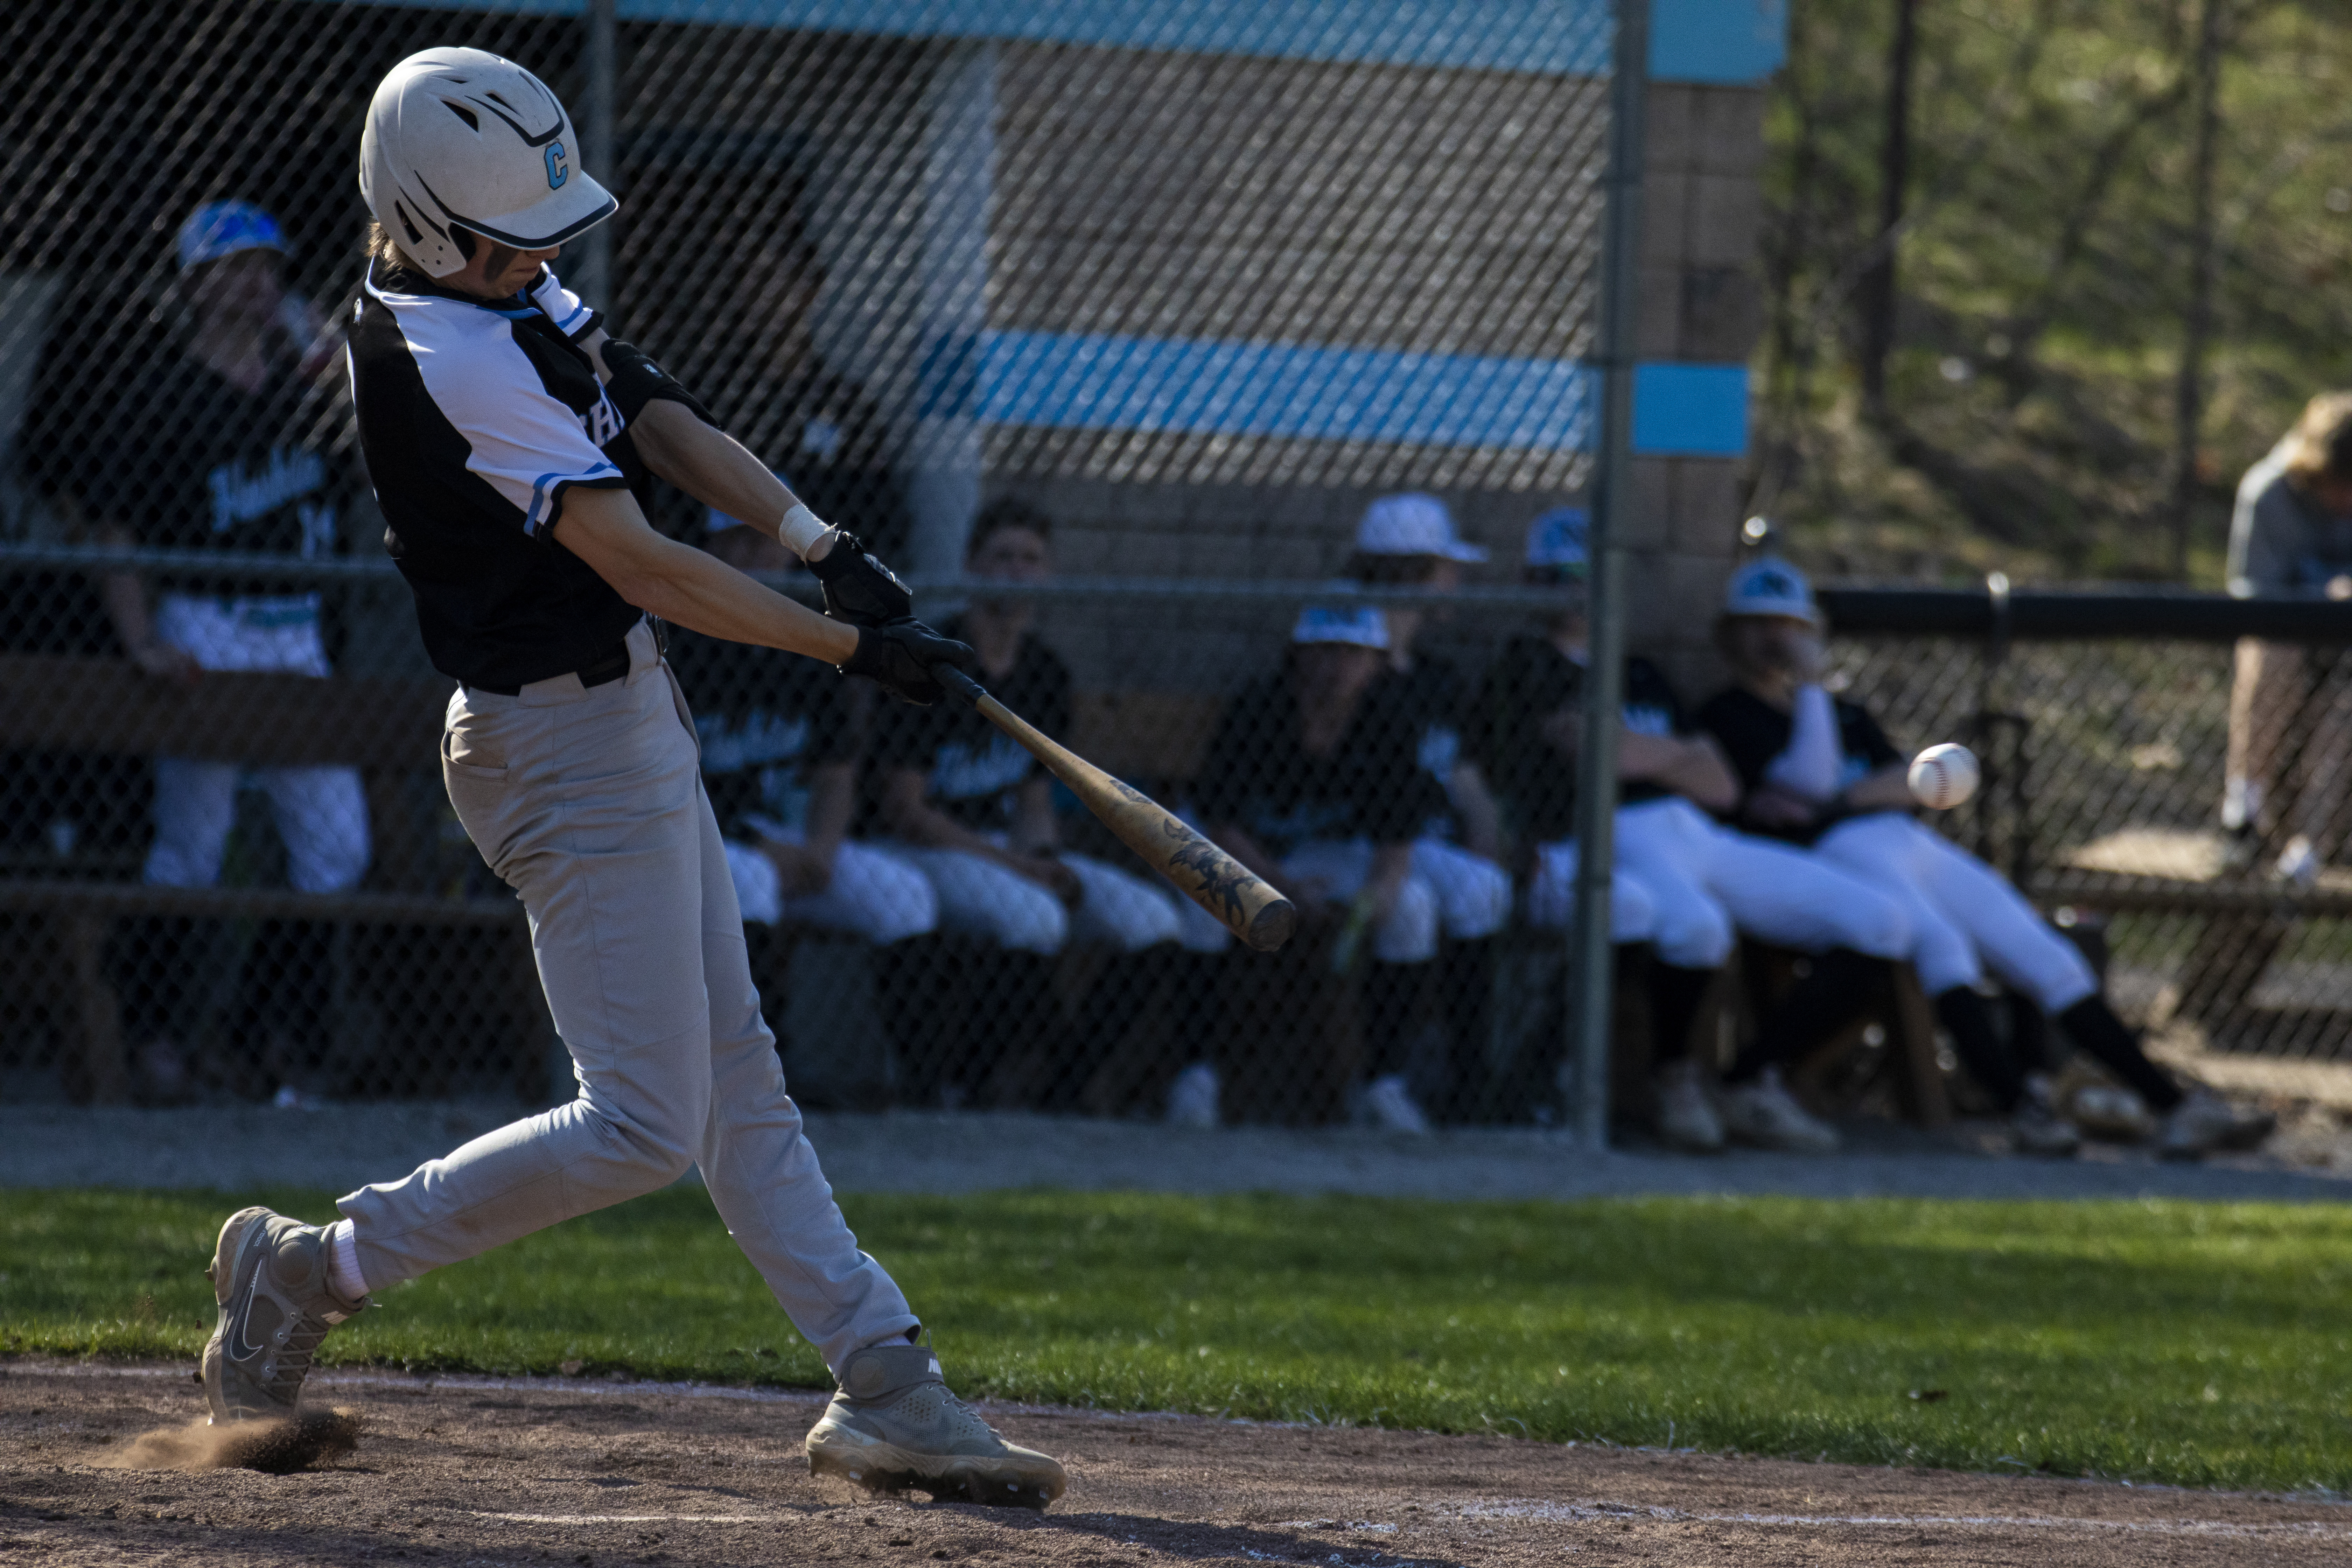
898,657
858,588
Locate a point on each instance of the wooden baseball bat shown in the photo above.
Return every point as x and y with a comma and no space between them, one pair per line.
1243,900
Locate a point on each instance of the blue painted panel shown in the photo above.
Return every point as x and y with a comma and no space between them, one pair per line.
1080,383
1690,410
1548,37
1729,42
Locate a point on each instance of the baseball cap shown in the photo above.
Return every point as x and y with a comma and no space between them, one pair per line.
1769,585
1362,625
224,228
1411,523
1557,540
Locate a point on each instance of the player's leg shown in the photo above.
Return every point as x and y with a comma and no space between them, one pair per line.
1120,910
1552,896
195,807
322,815
760,1170
980,899
1786,896
872,894
1018,926
1402,946
1691,936
1473,902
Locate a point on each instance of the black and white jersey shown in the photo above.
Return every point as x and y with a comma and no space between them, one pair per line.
1531,683
476,417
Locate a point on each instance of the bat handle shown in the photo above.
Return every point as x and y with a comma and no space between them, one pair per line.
956,681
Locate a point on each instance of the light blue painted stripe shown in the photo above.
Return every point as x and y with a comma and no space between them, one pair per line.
1724,42
1690,410
1277,389
1070,382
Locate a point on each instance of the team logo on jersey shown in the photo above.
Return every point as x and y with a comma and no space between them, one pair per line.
602,422
558,169
240,493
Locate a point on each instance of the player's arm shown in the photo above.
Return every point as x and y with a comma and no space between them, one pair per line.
675,437
1887,789
124,594
912,818
1474,803
1693,766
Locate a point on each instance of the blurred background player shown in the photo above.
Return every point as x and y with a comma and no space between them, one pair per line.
781,740
214,445
1698,880
1819,770
973,812
2289,712
1408,540
1313,780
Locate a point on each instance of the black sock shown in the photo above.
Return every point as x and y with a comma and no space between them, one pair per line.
2095,1026
1969,1018
1675,994
1392,993
1465,986
1843,982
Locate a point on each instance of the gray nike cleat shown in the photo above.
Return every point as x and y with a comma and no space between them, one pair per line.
893,1425
269,1275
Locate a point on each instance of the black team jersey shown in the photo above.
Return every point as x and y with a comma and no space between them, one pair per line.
1526,686
187,459
971,770
766,719
1752,732
1431,691
1370,786
477,417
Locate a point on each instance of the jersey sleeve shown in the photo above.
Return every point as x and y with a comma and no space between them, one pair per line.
572,318
525,442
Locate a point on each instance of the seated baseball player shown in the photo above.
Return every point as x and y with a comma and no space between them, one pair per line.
1408,540
967,806
1693,882
780,737
213,446
1816,770
1312,783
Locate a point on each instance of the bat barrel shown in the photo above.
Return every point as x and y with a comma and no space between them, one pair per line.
1272,925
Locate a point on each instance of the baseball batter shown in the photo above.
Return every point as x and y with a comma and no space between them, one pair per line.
505,432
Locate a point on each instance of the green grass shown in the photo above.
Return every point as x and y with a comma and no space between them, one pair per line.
2190,1344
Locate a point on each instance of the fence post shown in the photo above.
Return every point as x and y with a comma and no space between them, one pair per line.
591,273
1596,763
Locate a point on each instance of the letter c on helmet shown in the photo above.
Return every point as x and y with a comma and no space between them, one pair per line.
558,171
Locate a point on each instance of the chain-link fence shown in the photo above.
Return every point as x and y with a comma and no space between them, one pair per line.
1112,327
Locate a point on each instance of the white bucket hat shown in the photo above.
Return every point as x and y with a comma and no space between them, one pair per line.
1411,523
463,138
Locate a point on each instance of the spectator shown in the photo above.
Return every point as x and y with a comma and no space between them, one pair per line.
1408,540
1692,880
1818,770
1312,782
974,812
206,449
2291,537
818,429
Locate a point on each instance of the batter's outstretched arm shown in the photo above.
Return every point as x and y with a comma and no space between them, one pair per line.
688,586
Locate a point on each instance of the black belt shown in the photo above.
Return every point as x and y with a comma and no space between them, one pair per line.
601,670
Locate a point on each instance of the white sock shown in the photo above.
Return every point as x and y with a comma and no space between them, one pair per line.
344,1275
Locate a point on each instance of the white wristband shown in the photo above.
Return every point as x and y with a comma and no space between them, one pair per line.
800,529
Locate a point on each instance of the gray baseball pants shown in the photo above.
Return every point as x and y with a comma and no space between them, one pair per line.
588,802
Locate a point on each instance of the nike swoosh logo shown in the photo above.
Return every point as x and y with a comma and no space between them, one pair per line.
528,139
248,1262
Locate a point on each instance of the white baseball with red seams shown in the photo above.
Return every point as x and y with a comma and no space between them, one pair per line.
1944,777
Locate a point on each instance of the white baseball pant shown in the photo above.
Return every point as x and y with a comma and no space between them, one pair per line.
1408,935
588,802
980,899
1473,894
1964,916
1552,896
872,894
1707,882
322,812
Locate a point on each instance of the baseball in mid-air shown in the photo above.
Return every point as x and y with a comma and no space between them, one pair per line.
1944,777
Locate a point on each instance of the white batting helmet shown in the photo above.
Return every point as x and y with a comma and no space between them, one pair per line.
462,138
